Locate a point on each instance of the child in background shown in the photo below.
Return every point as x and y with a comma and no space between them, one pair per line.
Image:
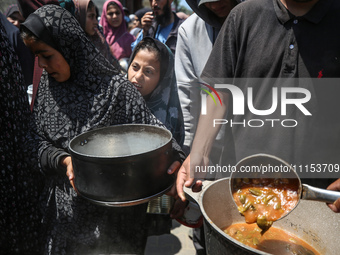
151,70
85,13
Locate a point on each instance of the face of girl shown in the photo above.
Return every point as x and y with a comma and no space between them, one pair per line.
91,21
114,16
144,71
50,59
16,19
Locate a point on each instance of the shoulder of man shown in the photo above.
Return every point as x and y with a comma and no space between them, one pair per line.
177,21
176,25
193,24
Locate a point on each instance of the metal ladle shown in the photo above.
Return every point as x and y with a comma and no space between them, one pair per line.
259,161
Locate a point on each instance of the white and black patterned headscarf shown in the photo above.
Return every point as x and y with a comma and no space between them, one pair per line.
58,28
96,95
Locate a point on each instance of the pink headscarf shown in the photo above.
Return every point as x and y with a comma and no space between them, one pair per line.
118,38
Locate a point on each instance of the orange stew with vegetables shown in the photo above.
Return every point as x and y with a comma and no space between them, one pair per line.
275,241
264,200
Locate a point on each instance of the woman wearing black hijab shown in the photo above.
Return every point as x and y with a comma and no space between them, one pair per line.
19,186
80,91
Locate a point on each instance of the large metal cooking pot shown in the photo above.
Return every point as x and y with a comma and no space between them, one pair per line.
312,221
122,165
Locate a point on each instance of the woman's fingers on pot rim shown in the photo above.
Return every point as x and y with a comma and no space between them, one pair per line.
174,167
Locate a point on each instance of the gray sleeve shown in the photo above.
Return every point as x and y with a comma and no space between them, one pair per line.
188,85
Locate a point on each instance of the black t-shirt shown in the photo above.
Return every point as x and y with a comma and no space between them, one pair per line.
261,39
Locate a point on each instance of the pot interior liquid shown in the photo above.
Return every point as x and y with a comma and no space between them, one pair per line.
124,144
275,241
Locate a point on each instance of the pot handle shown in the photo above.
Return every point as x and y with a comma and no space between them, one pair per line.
317,194
194,196
192,216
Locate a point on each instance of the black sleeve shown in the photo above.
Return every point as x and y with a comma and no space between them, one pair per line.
222,60
50,159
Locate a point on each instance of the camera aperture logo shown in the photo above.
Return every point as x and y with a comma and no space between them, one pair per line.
204,97
280,97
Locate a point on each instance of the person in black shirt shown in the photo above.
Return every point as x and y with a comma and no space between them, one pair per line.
274,41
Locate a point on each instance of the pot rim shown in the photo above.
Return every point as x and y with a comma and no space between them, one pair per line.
127,203
78,154
216,228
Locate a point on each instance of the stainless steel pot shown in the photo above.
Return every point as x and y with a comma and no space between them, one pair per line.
312,221
122,165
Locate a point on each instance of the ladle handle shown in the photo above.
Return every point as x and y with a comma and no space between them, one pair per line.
317,194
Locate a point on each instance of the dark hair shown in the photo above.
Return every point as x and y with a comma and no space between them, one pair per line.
148,44
43,35
113,4
68,5
26,34
91,5
140,13
160,50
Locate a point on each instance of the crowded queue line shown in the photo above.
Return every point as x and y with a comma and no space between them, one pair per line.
81,82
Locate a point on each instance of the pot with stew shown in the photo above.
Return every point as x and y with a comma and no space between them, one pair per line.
249,214
264,197
311,228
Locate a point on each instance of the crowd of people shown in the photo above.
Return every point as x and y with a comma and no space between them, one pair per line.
91,70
